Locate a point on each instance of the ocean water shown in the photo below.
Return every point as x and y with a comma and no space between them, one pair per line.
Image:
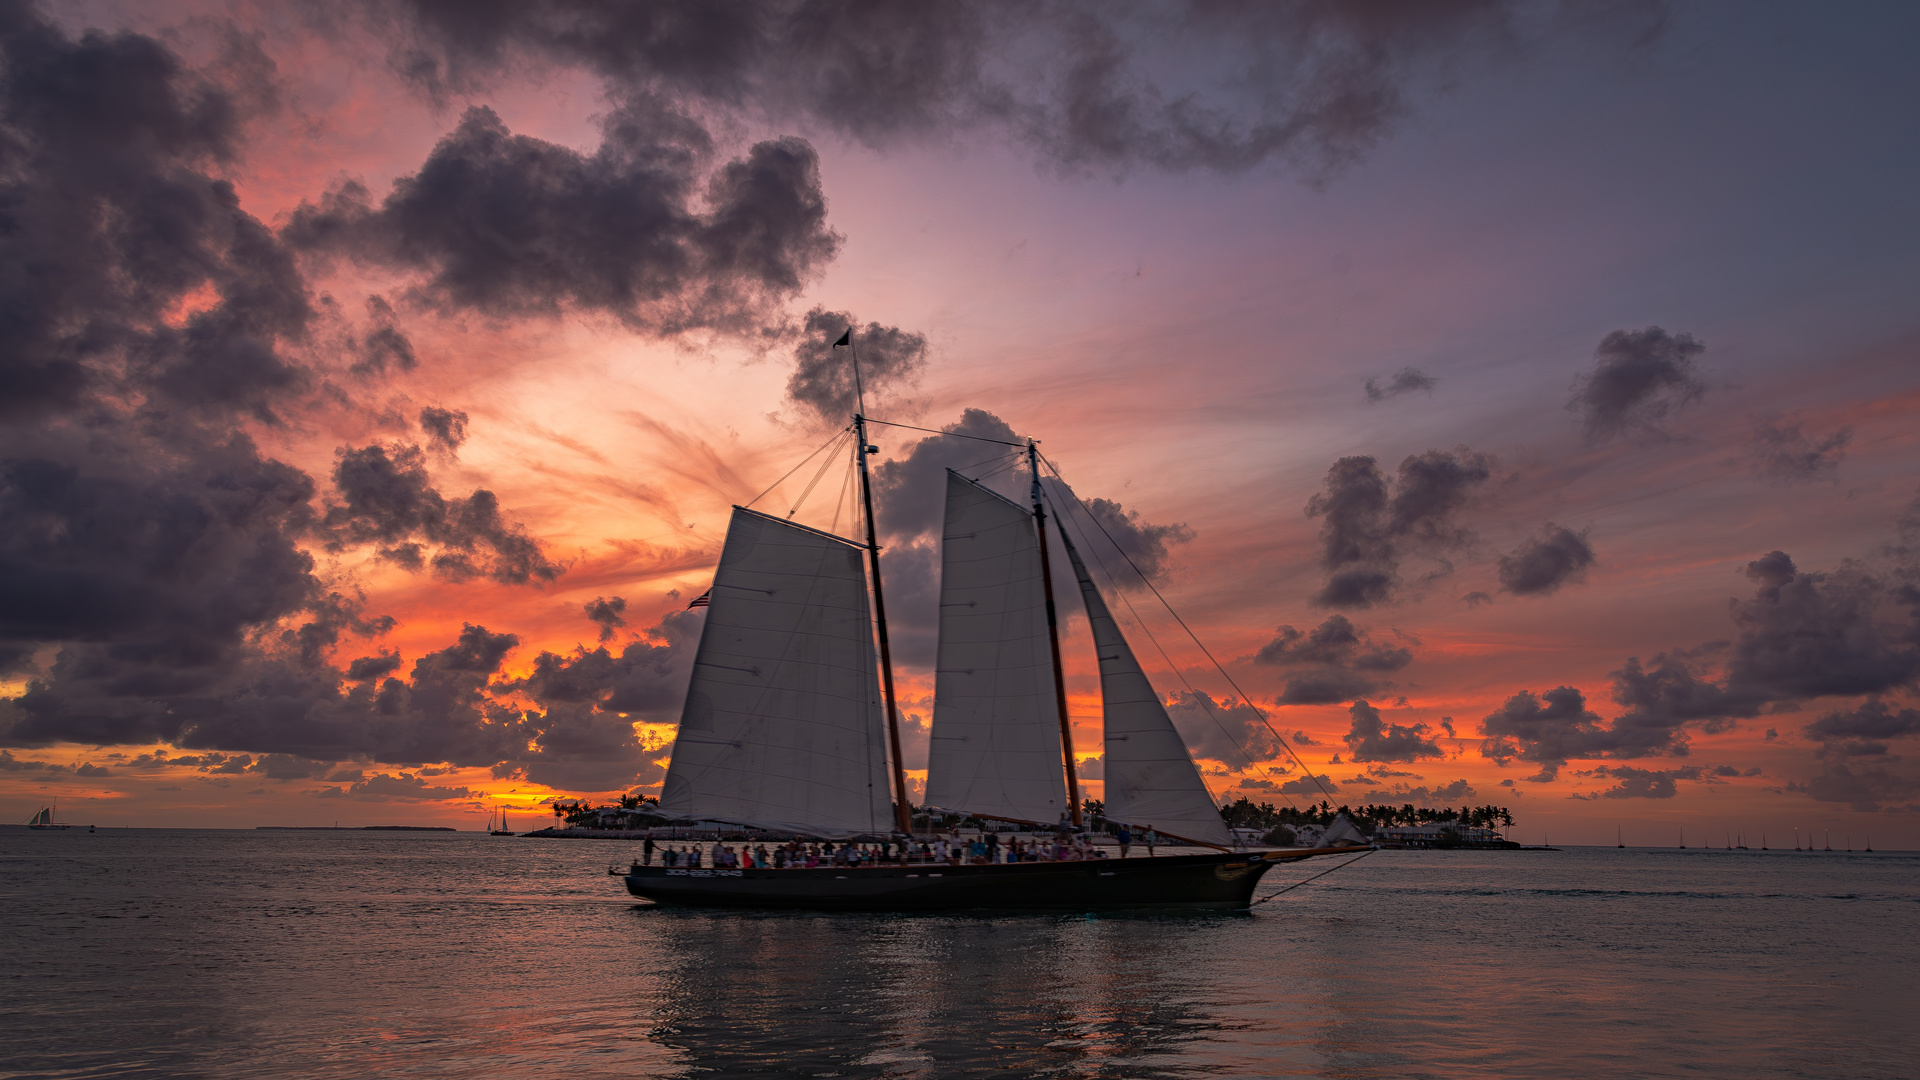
155,953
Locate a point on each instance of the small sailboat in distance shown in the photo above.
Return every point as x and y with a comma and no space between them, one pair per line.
502,830
44,820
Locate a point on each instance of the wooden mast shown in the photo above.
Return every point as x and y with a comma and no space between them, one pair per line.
1053,639
902,816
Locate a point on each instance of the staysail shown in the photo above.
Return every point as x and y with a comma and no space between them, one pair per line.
1150,778
995,747
782,728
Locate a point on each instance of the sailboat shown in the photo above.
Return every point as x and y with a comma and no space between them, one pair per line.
791,725
502,830
45,819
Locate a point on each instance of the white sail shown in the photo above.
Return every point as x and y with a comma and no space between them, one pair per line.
782,727
1150,778
995,749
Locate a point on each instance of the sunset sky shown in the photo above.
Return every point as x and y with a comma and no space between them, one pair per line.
1517,399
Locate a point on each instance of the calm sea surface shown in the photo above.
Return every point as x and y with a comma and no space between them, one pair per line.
132,953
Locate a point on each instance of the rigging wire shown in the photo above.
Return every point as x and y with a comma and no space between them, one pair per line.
951,434
1208,653
803,461
822,471
1002,457
844,500
1315,877
1011,463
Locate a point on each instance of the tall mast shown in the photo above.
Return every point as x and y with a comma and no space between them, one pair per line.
902,817
1053,638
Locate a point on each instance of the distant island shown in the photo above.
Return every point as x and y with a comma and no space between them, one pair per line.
358,828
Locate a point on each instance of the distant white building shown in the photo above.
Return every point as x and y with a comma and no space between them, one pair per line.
1434,834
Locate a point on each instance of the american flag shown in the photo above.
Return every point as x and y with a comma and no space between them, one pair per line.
700,601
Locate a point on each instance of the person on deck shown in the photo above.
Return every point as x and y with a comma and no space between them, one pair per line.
1150,839
1125,836
646,852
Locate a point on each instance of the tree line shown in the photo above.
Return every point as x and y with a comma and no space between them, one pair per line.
1244,813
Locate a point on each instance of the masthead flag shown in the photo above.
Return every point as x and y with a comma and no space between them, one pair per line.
845,339
701,600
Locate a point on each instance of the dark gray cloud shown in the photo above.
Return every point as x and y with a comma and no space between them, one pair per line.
1835,633
1146,546
1865,789
373,667
290,767
388,501
1780,451
647,680
1335,661
145,543
1668,694
1372,527
605,612
1553,727
1311,787
1233,733
116,217
508,224
1841,633
823,381
1372,738
1452,794
385,344
1084,85
1556,557
911,490
404,787
1864,731
446,429
1632,783
1639,379
1404,381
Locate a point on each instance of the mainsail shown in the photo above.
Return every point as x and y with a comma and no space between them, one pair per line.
995,747
782,727
1150,778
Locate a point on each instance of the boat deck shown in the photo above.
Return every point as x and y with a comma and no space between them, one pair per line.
1217,880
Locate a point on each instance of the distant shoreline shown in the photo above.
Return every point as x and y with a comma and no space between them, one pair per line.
357,828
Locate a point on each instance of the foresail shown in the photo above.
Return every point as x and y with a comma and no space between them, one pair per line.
1150,778
782,727
995,747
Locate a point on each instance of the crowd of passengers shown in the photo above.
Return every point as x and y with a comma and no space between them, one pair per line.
954,851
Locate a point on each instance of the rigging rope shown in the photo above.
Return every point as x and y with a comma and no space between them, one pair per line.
1208,653
824,462
1315,877
952,434
797,468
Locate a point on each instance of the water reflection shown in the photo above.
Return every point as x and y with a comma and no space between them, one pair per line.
864,995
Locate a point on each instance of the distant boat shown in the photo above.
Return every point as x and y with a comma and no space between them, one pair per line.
502,830
44,819
1618,836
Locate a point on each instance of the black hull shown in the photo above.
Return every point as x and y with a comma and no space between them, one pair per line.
1219,881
